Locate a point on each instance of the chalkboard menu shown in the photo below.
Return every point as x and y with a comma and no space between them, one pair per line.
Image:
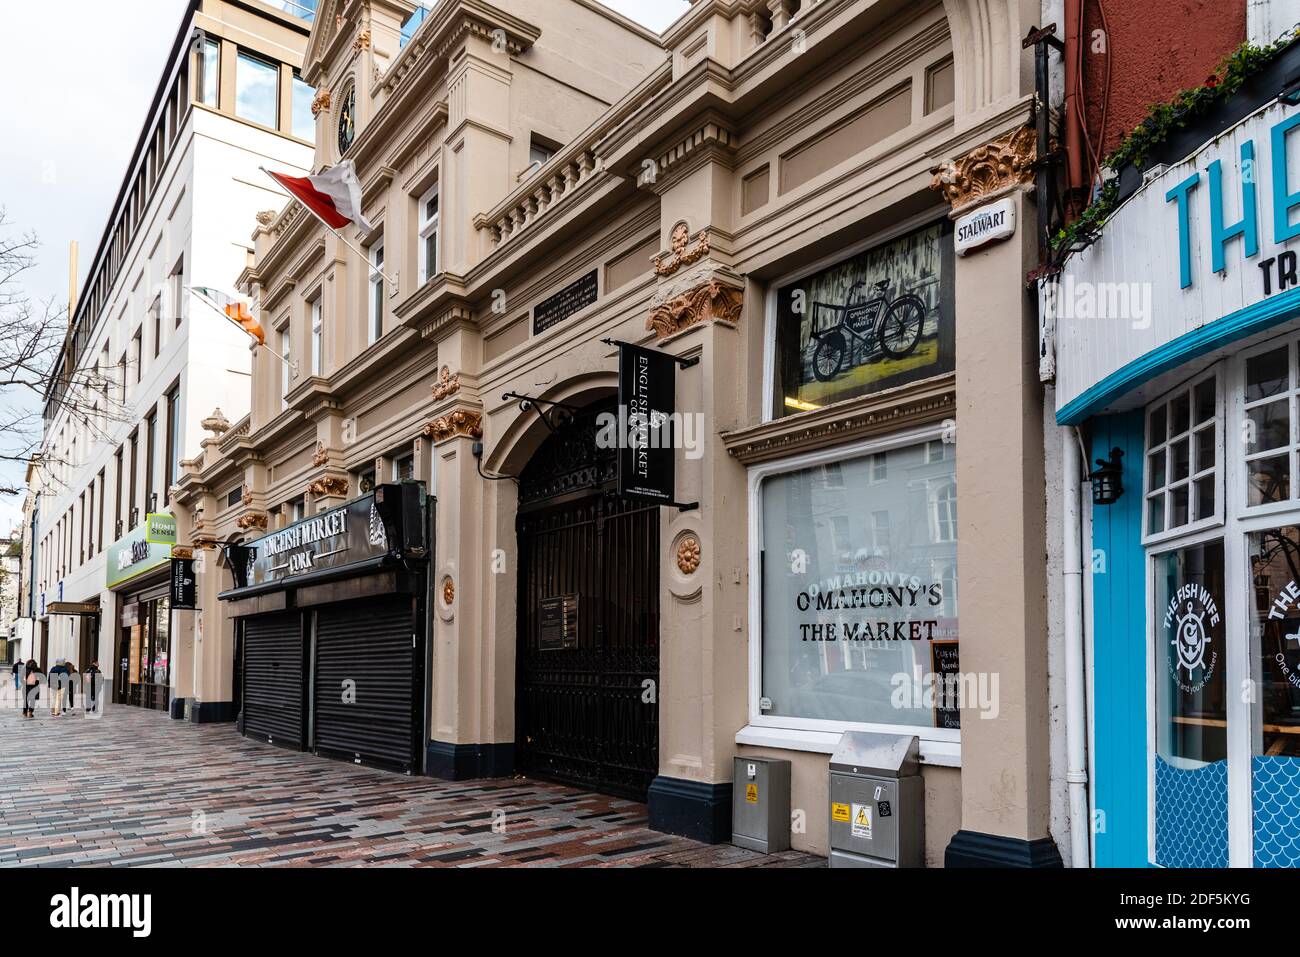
569,301
947,679
559,631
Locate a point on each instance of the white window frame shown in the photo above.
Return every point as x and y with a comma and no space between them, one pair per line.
429,229
939,746
375,291
1239,409
317,316
284,340
1216,520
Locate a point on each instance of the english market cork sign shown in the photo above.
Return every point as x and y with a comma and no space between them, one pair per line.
343,536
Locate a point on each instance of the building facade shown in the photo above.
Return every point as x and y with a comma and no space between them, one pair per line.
143,356
773,194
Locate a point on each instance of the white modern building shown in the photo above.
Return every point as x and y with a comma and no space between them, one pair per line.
145,362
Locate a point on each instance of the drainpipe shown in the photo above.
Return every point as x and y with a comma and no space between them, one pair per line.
1074,158
1076,772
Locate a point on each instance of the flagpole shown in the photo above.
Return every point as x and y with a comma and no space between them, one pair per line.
211,305
347,242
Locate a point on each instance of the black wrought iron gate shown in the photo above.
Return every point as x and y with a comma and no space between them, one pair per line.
587,669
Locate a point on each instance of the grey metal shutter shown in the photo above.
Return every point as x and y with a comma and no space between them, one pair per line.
273,673
364,697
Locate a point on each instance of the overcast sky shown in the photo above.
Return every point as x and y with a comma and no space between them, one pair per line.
78,85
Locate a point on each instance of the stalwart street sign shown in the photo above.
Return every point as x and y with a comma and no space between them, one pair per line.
647,385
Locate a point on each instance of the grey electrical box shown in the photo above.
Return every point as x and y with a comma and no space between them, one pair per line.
760,805
877,801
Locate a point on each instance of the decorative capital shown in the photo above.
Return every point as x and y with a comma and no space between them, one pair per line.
688,555
206,543
182,552
447,386
253,520
362,42
320,102
461,422
987,170
711,301
331,486
682,254
321,455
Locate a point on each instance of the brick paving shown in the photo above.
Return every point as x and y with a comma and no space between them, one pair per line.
136,788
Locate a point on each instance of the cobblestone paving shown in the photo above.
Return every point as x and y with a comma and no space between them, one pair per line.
136,788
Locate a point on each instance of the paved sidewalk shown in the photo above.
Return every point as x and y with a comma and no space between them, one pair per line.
136,788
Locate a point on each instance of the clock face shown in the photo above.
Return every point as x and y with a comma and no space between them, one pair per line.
347,121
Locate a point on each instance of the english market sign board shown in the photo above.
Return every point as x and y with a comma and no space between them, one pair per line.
1204,254
343,536
146,548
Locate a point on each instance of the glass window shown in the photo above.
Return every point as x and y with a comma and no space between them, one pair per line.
1268,430
284,367
173,441
1191,690
257,91
376,331
874,321
317,339
209,78
429,235
304,124
859,604
1275,640
404,468
1182,475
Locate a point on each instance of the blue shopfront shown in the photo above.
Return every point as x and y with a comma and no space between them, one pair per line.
1173,341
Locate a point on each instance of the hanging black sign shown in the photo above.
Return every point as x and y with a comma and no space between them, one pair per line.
647,386
184,595
569,301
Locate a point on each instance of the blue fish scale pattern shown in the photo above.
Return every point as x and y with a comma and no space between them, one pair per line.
1276,790
1191,815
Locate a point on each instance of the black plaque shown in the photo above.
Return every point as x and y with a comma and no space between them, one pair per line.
647,386
569,301
559,631
947,678
184,596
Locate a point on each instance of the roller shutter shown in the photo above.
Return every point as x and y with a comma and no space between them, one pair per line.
272,680
364,699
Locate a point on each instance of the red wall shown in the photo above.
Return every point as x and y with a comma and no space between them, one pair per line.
1156,48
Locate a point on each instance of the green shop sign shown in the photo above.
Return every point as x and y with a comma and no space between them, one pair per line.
148,547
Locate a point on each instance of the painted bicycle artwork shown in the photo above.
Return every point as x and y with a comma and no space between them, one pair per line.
878,319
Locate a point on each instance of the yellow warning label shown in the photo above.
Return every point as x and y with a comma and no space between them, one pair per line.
840,812
862,821
751,793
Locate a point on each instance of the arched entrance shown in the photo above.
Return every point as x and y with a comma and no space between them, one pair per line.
587,668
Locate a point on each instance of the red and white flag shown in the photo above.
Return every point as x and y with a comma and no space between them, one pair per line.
333,195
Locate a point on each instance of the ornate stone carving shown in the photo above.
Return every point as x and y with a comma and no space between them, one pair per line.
203,542
713,300
181,552
996,166
320,102
246,496
681,255
251,521
321,456
448,591
216,423
331,486
362,42
688,555
459,422
266,217
448,385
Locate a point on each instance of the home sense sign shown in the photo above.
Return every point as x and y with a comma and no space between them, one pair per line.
147,547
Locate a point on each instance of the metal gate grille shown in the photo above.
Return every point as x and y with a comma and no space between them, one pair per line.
272,684
364,696
589,714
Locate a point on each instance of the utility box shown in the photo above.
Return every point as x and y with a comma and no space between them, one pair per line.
877,801
760,805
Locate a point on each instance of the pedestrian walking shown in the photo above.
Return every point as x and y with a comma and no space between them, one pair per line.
58,687
31,687
20,668
72,677
92,677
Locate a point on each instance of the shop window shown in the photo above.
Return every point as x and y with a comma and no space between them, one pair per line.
1269,396
1182,467
858,599
1275,640
873,321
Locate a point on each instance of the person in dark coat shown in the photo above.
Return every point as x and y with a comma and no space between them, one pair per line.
92,676
19,668
31,687
72,677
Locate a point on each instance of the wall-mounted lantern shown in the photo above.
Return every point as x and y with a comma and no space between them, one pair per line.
1108,479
